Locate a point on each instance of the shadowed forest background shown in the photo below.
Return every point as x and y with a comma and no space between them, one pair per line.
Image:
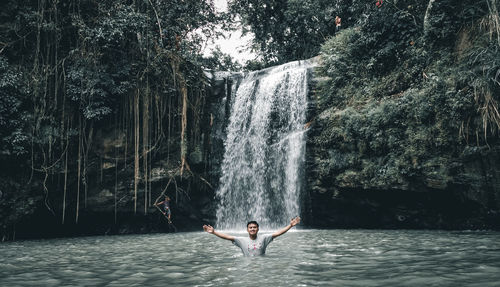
107,105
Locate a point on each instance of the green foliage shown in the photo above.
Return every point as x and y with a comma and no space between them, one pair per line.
386,37
220,61
68,68
401,104
288,30
389,141
13,139
92,87
254,65
445,18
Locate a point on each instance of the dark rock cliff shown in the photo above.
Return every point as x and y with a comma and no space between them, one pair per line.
353,187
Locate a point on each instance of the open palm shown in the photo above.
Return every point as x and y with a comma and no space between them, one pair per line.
208,228
295,221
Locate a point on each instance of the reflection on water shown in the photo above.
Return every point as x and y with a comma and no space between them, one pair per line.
300,258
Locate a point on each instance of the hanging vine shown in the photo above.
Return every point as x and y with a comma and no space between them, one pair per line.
84,61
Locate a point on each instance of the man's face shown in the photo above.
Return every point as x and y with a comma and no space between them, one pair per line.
252,229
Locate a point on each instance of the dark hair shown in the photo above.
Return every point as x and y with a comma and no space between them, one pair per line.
252,222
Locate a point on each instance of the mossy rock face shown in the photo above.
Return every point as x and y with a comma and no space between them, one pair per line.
406,115
404,144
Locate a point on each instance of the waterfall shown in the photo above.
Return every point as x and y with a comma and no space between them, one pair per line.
264,150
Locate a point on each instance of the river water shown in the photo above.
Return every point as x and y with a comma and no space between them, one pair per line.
297,258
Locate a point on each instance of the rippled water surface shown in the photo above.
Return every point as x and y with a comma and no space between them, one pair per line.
300,258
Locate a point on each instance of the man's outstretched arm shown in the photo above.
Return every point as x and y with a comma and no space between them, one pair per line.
211,230
293,222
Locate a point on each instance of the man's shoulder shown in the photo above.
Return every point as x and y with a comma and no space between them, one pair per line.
240,238
266,236
237,240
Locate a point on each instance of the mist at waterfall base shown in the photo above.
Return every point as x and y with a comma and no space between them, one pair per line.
264,148
298,258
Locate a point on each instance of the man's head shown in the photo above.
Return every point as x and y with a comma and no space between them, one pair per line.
252,228
167,198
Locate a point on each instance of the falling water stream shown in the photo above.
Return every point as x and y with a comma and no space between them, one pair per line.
264,149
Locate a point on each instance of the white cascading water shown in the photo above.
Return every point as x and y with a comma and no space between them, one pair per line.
265,148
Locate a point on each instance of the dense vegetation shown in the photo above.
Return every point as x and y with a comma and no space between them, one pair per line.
411,101
287,30
97,85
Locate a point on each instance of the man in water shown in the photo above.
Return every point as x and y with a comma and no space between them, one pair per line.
252,245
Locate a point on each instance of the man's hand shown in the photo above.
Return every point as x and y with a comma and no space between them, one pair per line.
211,230
208,228
295,221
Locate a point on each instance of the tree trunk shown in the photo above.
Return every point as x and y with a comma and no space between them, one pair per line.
136,147
427,16
65,176
183,124
145,145
79,168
